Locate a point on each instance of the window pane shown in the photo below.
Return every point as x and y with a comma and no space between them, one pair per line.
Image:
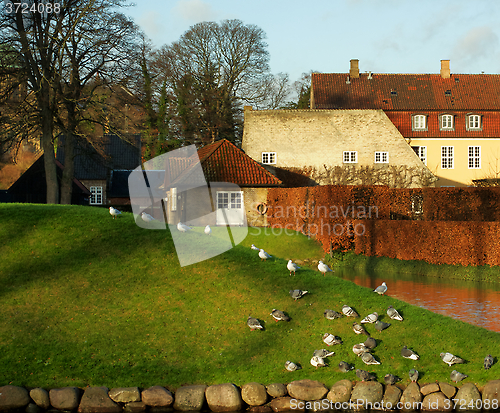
474,160
235,200
447,157
222,200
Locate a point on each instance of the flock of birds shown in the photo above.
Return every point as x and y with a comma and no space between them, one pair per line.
362,350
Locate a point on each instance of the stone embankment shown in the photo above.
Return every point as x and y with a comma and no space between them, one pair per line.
298,395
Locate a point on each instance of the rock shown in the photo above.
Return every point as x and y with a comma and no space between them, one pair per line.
125,394
491,395
429,388
32,408
157,396
40,397
254,394
259,409
276,390
468,397
392,395
224,398
340,392
448,390
135,407
437,402
306,389
96,400
366,394
13,397
66,398
284,404
411,397
190,398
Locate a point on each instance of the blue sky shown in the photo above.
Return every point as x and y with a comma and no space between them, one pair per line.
387,36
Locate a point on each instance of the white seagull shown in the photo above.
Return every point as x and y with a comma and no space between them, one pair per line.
208,231
254,248
146,217
292,267
263,255
381,289
114,212
322,267
183,227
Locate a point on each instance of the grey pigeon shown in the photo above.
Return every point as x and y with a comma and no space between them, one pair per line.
323,353
359,329
291,366
296,294
380,325
364,375
344,367
370,343
394,314
330,339
409,354
349,312
318,362
370,318
488,361
359,349
279,315
292,267
390,379
331,314
450,359
381,289
457,376
254,324
369,359
413,375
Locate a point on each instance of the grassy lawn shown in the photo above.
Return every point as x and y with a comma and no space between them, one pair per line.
88,300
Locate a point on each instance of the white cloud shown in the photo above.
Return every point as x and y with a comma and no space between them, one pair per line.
477,44
194,11
150,21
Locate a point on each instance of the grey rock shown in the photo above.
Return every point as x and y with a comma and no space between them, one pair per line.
340,392
66,398
392,395
437,402
367,392
190,398
13,397
125,394
429,388
157,396
259,409
410,397
134,407
254,394
285,404
469,396
447,389
96,400
32,408
491,393
40,397
224,398
276,390
307,389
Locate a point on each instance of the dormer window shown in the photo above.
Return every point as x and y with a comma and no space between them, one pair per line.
419,122
474,122
446,122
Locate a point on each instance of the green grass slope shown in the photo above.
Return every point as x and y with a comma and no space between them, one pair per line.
88,300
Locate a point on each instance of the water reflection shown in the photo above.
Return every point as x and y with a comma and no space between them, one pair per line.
473,302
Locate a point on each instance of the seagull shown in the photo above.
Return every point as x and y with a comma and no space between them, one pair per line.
296,294
254,248
330,339
324,268
359,349
279,315
359,329
450,359
390,379
457,376
348,311
263,255
488,361
331,314
380,325
409,354
413,375
114,212
208,231
323,353
146,217
371,343
183,227
345,367
394,314
381,289
370,318
369,359
291,366
254,324
364,375
292,267
318,362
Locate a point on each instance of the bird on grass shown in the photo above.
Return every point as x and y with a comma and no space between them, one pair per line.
450,359
208,230
279,315
147,218
457,376
318,362
409,354
370,318
323,353
254,248
263,255
254,324
381,289
390,379
114,212
331,314
413,375
359,349
359,329
330,339
364,375
344,366
183,227
394,314
349,312
380,325
291,366
322,267
369,359
292,267
371,343
488,361
296,294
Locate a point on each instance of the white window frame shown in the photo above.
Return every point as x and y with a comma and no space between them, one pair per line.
381,157
173,199
96,195
350,157
419,122
474,122
447,157
474,157
447,122
269,158
421,152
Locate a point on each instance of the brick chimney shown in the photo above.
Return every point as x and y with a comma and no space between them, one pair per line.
445,69
354,71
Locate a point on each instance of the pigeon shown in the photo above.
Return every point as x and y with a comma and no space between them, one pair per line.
292,267
318,362
450,359
263,255
393,314
370,343
380,325
296,294
369,359
488,361
390,379
330,339
349,312
323,353
331,314
208,230
409,354
381,289
370,318
279,315
359,329
359,349
344,367
254,324
322,267
114,212
254,248
457,376
413,375
291,366
364,375
148,218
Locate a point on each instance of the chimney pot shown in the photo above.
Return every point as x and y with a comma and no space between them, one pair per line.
445,69
354,71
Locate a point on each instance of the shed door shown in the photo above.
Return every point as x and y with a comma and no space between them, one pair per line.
230,208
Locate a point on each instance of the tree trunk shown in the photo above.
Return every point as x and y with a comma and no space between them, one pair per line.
50,167
69,169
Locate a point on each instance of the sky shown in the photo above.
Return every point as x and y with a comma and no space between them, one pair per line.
387,36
